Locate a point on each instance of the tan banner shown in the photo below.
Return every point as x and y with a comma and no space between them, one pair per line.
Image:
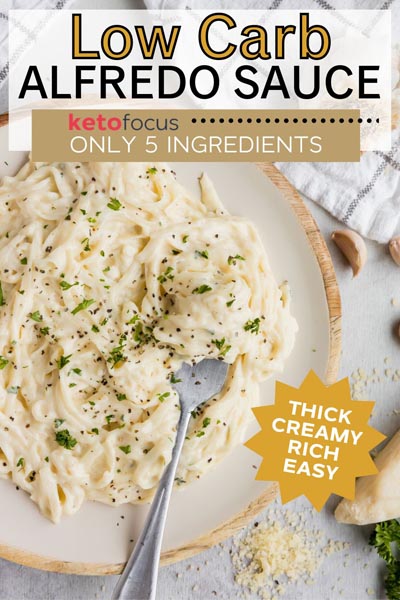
196,135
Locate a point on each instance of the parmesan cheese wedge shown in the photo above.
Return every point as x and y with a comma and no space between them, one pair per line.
377,496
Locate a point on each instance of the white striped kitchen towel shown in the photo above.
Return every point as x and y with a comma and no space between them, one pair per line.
364,196
26,36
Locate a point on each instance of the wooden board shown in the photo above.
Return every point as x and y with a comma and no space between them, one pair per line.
237,523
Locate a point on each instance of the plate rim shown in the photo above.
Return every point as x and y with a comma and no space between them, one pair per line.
239,521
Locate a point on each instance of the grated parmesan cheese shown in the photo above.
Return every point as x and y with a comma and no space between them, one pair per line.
279,551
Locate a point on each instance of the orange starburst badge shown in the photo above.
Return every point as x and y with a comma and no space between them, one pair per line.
315,440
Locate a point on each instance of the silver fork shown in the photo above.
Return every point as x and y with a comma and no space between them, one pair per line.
195,385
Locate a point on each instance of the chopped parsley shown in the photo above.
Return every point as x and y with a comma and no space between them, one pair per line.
230,302
202,253
21,463
95,329
83,193
3,362
168,274
24,261
200,434
114,204
116,354
162,397
109,418
252,326
66,286
58,422
185,238
151,171
232,260
63,360
125,449
36,316
121,397
202,289
77,371
87,245
82,306
175,251
222,347
95,431
44,330
65,439
2,301
173,379
206,422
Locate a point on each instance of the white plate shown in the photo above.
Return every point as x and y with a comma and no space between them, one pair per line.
98,538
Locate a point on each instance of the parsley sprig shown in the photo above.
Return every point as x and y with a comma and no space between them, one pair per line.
65,439
82,306
386,540
222,347
252,325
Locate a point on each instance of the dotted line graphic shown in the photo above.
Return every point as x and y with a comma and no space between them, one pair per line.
285,120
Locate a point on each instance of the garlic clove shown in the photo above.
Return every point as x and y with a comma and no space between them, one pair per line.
353,247
394,249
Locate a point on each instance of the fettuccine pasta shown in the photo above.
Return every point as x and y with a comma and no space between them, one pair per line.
111,276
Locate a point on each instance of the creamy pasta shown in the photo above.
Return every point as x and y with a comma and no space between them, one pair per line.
111,276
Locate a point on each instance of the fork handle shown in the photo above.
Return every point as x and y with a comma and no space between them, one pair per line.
139,578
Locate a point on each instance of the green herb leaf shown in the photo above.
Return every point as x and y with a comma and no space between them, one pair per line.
114,204
36,316
3,362
2,301
116,354
202,289
65,439
77,371
86,243
206,422
200,434
252,326
95,430
168,274
125,449
173,379
95,329
24,261
66,286
63,360
44,330
21,463
202,253
151,171
222,347
230,302
162,397
232,260
121,397
82,306
58,422
185,238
